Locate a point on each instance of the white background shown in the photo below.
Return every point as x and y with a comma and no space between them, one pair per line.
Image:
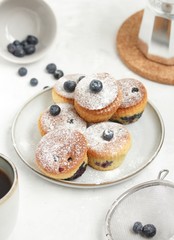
86,43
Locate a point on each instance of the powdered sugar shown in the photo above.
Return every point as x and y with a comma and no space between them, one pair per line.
131,97
95,101
58,87
60,150
98,144
67,117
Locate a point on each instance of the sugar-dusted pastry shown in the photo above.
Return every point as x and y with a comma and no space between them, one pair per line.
62,154
133,103
57,115
108,144
63,90
97,97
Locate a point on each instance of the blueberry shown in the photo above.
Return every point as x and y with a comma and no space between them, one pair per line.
51,68
135,89
96,86
55,110
24,43
149,230
137,227
58,74
11,47
19,51
29,49
32,39
108,134
22,71
33,82
16,43
69,86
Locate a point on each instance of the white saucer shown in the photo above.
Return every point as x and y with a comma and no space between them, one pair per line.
20,18
147,138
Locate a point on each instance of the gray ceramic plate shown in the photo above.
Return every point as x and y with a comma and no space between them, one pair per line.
25,135
19,18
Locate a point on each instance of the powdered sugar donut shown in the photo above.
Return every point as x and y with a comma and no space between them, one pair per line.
108,144
65,116
62,154
97,97
133,103
63,90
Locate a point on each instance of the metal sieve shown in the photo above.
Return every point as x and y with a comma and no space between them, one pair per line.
151,202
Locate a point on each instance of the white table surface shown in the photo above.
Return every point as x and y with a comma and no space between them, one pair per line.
86,44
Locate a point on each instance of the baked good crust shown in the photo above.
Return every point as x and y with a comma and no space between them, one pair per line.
131,108
60,153
107,155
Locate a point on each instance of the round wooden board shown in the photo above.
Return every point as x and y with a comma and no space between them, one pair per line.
130,54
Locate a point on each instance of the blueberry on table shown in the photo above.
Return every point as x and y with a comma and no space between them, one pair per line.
51,68
55,110
96,86
32,39
58,74
33,82
108,134
22,71
137,227
69,86
149,230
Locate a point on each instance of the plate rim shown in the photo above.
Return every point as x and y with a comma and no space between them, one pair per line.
77,184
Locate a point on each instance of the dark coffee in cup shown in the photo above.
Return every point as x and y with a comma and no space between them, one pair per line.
5,184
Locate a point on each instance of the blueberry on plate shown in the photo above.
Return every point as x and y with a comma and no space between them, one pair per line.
58,74
19,51
149,230
17,42
11,47
32,39
55,110
33,82
51,68
137,227
29,49
96,86
69,86
108,134
22,71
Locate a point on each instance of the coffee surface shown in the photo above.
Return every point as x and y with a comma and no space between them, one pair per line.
5,184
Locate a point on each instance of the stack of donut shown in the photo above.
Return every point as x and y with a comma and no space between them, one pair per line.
86,124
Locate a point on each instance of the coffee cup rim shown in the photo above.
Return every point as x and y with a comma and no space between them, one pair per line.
15,180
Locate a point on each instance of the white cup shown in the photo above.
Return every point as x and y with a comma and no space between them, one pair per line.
10,201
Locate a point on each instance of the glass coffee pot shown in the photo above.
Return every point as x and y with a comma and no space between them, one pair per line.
156,34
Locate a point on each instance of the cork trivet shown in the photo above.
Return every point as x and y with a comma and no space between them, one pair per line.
127,38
